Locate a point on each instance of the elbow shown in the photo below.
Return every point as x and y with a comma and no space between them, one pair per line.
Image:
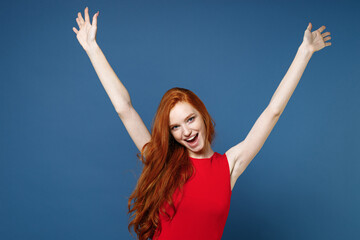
123,109
274,110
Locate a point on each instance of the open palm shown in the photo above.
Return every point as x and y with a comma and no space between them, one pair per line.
316,40
86,34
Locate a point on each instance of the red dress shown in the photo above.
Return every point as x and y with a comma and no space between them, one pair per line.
204,207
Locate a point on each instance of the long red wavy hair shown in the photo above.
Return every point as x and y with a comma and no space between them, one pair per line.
166,166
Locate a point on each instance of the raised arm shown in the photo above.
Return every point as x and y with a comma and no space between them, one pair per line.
242,154
116,91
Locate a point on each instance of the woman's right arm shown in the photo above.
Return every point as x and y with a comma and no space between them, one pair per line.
116,91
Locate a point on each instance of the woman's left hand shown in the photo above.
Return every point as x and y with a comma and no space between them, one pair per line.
316,40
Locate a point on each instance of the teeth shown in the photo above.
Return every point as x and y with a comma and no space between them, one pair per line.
191,138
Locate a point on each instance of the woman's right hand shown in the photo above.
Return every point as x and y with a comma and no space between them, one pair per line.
86,34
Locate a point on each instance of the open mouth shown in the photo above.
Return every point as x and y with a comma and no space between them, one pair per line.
194,139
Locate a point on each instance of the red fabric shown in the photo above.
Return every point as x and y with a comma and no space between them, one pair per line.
204,207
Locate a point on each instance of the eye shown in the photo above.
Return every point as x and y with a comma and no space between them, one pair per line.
174,127
191,119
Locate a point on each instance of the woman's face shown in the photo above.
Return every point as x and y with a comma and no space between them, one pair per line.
187,127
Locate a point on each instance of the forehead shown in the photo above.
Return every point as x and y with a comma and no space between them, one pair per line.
180,111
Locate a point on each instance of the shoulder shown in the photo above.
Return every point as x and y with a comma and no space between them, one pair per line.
218,155
228,155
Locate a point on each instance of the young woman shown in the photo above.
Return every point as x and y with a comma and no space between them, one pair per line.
185,188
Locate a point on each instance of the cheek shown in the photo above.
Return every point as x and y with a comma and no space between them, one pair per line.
176,136
201,127
203,130
197,125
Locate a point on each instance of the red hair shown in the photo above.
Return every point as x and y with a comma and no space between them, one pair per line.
166,165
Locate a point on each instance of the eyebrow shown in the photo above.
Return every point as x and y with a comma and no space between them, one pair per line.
184,119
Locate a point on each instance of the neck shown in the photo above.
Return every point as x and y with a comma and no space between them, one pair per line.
206,152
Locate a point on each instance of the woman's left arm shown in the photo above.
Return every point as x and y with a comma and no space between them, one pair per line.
245,151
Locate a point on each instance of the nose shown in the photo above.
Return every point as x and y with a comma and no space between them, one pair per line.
186,131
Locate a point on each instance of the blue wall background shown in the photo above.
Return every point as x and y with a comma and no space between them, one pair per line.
68,165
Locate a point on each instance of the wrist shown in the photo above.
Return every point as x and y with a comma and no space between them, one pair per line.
306,49
92,48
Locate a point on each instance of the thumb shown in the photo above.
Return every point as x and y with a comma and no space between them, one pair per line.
94,23
309,27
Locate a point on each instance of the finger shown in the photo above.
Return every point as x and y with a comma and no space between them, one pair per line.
78,22
75,30
327,38
94,22
322,28
325,34
86,14
309,27
80,18
327,44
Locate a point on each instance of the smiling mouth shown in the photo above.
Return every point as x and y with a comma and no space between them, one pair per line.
193,139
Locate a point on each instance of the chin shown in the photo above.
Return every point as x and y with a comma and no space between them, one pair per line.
197,149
